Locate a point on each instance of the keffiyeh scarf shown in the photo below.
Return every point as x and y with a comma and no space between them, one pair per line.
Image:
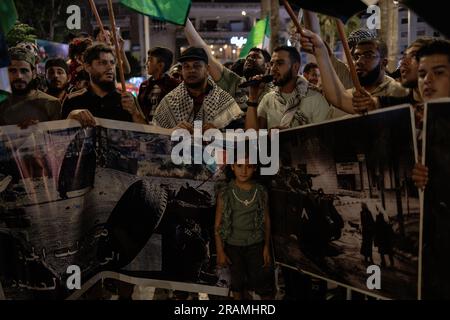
218,108
293,112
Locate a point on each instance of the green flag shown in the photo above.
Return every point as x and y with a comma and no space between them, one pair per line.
259,37
8,15
5,87
174,11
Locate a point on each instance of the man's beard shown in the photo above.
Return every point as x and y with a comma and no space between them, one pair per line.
54,89
22,92
284,80
371,77
411,84
106,86
252,71
195,85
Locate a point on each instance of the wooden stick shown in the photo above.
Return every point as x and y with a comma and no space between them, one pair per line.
293,17
351,65
116,45
97,17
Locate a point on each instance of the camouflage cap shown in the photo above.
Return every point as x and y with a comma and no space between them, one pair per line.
16,53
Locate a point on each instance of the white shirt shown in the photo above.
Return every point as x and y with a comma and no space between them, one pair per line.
313,107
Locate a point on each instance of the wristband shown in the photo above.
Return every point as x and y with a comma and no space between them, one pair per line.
252,104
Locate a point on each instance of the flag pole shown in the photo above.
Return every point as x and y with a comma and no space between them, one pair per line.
351,65
116,45
294,19
97,17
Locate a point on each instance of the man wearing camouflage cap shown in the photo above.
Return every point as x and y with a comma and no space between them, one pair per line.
26,105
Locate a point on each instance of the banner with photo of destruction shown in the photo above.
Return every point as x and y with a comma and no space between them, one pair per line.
344,200
104,199
436,228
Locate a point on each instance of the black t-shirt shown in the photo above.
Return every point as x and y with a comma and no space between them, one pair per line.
108,107
387,101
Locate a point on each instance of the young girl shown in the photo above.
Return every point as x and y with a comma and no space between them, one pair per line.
242,232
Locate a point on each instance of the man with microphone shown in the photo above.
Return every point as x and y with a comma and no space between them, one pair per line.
293,103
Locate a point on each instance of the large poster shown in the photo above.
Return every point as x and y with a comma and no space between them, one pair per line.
436,156
343,201
104,198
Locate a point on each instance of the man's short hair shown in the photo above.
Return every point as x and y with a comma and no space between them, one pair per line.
434,46
264,52
57,62
92,53
310,66
380,45
420,42
97,31
294,55
162,54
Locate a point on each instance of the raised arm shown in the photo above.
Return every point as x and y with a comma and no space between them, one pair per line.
332,87
194,39
311,21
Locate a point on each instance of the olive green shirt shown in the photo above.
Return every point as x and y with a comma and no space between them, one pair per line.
37,105
243,224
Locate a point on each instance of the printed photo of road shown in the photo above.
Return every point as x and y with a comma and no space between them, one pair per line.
343,201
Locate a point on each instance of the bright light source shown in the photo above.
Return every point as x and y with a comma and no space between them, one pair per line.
244,13
213,52
211,46
225,46
239,42
234,51
220,49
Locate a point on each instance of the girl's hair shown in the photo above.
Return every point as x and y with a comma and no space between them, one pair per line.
229,174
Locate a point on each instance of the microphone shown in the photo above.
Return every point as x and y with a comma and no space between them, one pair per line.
265,79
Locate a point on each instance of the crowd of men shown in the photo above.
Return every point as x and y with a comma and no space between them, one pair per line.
199,87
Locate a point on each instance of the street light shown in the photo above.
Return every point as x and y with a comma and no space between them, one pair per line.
244,13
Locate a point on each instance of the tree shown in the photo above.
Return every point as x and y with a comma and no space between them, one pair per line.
329,32
19,33
389,32
48,18
274,24
328,29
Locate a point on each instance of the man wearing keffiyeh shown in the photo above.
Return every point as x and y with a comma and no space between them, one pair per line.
293,103
197,98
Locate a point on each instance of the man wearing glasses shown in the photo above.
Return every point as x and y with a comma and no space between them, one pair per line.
370,57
